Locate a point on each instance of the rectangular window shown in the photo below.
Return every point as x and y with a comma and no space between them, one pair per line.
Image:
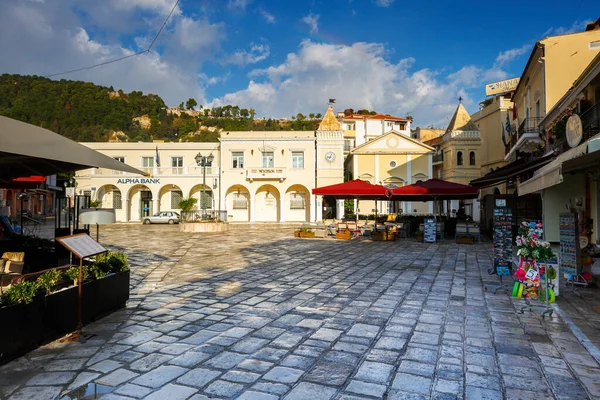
177,165
240,202
148,164
268,159
176,197
121,159
297,159
390,124
595,45
237,159
297,201
117,203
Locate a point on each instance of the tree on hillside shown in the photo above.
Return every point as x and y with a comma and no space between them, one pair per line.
181,106
318,116
244,113
300,117
311,115
252,112
190,104
348,112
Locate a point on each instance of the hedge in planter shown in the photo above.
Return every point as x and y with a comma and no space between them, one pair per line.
35,318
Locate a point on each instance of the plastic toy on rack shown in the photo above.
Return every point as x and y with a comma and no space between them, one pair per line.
532,275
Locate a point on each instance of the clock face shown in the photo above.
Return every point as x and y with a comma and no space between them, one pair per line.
330,156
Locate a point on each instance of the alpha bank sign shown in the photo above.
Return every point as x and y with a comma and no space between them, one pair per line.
136,181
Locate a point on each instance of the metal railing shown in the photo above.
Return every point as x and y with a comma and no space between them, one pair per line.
204,216
461,135
529,125
590,121
437,158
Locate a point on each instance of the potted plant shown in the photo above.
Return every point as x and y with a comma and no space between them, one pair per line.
306,233
49,280
186,205
73,274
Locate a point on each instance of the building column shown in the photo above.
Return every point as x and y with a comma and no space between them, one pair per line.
282,208
316,211
339,209
252,206
127,210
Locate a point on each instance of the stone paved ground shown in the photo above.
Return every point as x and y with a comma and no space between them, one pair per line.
257,314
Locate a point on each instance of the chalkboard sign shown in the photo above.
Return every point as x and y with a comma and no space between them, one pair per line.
569,243
429,227
503,241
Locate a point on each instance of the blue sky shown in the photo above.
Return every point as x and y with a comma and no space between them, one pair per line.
285,57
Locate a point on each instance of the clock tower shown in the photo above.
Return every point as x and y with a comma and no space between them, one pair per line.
330,161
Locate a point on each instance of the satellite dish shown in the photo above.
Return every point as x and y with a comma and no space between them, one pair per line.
574,130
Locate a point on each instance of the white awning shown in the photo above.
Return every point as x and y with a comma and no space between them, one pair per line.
550,174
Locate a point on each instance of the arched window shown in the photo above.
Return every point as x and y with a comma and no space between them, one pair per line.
472,158
459,158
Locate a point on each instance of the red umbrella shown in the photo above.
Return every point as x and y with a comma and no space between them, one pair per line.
356,189
434,189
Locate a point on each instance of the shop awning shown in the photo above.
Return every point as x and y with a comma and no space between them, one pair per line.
434,189
27,150
511,170
355,189
582,163
550,174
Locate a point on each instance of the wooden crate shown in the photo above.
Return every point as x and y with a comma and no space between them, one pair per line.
383,236
465,240
344,235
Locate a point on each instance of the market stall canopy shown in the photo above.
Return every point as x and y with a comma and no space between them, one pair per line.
24,182
434,189
355,189
30,150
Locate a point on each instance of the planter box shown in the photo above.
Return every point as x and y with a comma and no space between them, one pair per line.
307,235
27,326
346,235
203,227
383,236
296,233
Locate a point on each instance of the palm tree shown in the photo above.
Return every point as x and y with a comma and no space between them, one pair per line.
311,115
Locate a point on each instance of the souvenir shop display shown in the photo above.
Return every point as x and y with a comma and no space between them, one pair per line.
533,273
570,252
502,245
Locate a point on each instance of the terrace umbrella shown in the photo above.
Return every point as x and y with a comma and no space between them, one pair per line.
434,190
27,150
355,189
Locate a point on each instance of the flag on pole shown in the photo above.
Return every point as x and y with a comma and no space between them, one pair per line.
157,162
331,101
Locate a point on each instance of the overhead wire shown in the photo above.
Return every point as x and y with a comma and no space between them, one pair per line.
124,57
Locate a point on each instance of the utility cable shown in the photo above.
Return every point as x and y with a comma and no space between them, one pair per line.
124,57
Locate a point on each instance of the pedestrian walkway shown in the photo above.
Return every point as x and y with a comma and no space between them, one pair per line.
257,314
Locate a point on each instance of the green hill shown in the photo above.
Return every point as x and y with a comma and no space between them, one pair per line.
83,111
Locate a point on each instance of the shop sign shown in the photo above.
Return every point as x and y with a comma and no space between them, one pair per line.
574,130
138,180
505,86
500,202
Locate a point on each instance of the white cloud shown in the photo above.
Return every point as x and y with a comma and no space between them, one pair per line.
270,18
384,3
46,38
213,80
509,55
358,76
238,4
312,20
257,53
576,26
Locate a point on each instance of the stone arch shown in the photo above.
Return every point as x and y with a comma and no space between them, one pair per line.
297,203
419,177
267,204
141,202
393,181
168,198
238,203
367,177
209,196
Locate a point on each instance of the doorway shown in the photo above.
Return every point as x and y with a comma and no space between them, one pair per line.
145,203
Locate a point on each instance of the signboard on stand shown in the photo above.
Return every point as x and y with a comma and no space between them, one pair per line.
569,243
503,241
429,227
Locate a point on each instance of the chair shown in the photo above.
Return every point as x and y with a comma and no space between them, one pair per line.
392,217
11,266
475,232
461,230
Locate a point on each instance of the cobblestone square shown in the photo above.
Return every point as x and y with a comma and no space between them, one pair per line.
257,314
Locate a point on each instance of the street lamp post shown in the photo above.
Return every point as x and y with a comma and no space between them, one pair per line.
203,161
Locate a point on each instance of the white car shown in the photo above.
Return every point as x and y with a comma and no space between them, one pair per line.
163,217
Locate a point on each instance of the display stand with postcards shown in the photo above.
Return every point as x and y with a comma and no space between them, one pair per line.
533,272
502,245
570,260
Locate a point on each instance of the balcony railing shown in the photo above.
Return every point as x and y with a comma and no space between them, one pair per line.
162,171
266,173
590,121
438,158
462,135
527,137
529,125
